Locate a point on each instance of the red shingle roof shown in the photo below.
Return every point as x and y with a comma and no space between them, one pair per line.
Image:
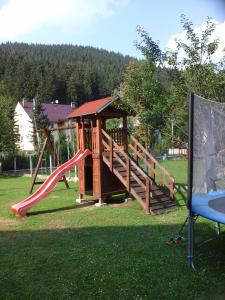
92,107
54,112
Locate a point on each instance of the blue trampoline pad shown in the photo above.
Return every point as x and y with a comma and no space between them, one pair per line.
210,205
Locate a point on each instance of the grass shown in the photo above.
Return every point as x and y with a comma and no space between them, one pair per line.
177,168
61,251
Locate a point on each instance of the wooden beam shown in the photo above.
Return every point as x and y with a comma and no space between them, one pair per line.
38,165
55,154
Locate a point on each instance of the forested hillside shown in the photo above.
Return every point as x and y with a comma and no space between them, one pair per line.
64,72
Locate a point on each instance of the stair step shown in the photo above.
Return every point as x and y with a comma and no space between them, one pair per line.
158,193
124,172
162,210
138,189
156,206
164,203
159,201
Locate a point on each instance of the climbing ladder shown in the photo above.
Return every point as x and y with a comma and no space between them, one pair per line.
144,178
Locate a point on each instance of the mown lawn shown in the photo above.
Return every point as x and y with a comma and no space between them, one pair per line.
61,251
177,168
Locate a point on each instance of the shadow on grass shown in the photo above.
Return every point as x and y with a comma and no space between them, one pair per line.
112,262
74,206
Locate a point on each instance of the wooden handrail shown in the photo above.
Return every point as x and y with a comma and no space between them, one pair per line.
124,153
152,166
126,157
150,156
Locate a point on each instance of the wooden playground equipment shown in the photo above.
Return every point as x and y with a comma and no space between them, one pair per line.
118,163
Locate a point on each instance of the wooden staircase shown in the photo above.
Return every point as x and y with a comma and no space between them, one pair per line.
144,178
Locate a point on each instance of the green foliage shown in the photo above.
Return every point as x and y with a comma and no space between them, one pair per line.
142,89
8,127
157,87
197,71
40,119
64,72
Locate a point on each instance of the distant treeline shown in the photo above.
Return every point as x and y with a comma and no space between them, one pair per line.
63,72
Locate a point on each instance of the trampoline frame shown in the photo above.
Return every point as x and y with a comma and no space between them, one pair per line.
192,216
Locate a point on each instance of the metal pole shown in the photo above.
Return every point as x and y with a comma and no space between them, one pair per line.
190,183
50,162
15,165
190,148
191,240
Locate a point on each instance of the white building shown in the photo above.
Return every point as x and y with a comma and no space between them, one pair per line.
56,114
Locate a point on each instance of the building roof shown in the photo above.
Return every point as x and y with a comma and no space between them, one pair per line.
90,108
55,112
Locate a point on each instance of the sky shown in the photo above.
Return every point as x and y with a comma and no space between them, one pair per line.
107,24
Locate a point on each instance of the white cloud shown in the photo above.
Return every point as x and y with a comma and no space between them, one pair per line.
219,33
18,17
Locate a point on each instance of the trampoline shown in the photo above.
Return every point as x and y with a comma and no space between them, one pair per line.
206,166
210,206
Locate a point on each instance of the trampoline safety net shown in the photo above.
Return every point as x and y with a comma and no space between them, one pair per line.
208,146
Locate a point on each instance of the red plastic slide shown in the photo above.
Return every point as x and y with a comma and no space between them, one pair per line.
21,208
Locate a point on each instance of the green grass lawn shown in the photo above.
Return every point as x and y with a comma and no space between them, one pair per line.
177,168
61,251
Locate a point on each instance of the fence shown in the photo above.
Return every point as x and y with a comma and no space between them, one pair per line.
25,165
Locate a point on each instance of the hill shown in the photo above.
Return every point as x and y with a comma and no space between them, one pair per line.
64,72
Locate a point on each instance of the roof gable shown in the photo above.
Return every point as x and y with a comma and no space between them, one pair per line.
90,108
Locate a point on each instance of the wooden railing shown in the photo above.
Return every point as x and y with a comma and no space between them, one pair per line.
141,155
117,135
112,147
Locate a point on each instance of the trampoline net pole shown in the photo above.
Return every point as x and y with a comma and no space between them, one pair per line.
190,183
191,240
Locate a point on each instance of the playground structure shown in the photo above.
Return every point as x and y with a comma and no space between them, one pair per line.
119,162
206,195
110,162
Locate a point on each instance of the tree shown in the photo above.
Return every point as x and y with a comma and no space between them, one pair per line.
64,72
40,119
157,87
192,69
8,128
142,89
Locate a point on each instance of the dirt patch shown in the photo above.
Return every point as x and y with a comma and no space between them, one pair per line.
9,222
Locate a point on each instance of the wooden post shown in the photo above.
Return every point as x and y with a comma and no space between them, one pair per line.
154,172
98,160
51,146
99,136
125,132
135,153
83,137
128,173
147,195
78,137
54,153
38,165
111,154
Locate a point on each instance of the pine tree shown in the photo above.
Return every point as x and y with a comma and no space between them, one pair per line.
8,129
40,119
